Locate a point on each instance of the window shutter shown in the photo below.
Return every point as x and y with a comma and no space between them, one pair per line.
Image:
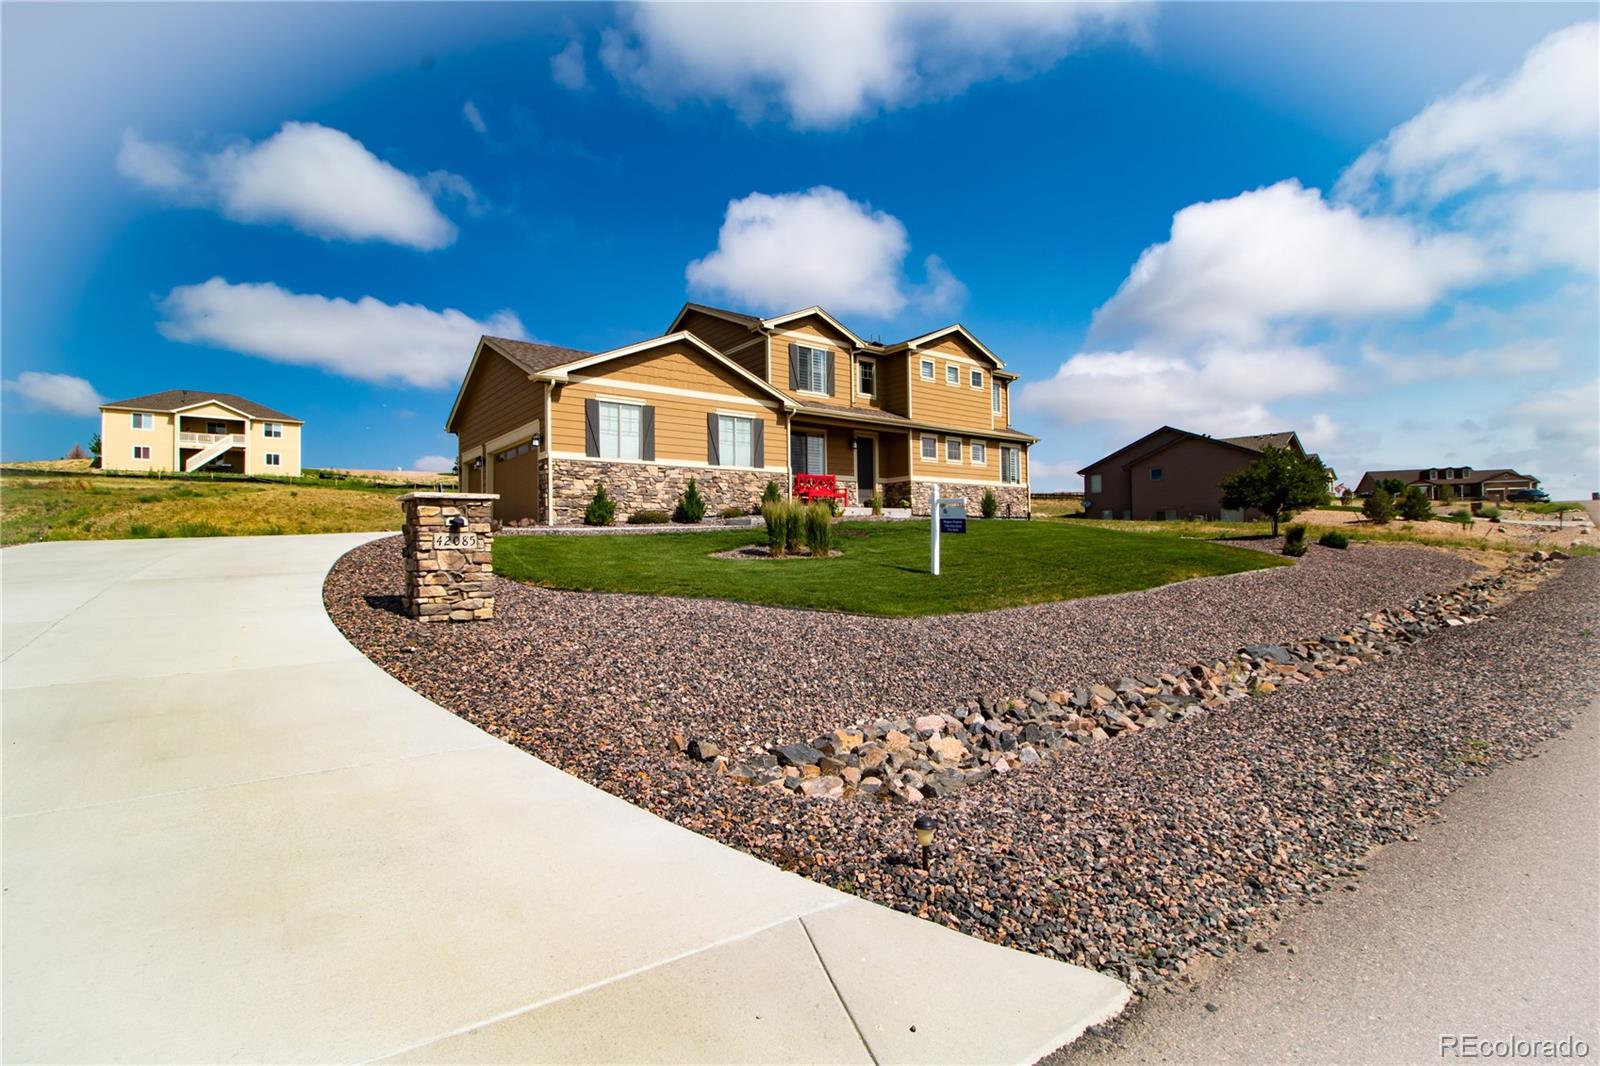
833,357
647,433
758,444
794,367
591,428
713,444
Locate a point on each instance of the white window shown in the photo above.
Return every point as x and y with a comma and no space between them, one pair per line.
978,453
994,402
808,453
736,440
952,374
952,449
1094,484
867,376
272,429
619,430
274,459
977,379
141,451
144,421
813,368
927,370
930,449
1011,464
1155,473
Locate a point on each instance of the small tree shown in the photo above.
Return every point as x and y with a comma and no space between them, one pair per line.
1379,507
602,510
990,506
1277,484
1447,495
94,445
771,494
691,505
1414,505
1346,496
1392,485
77,452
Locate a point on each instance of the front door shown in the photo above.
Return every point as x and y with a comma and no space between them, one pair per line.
866,467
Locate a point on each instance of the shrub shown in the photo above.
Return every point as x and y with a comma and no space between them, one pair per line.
1379,507
1278,483
876,503
771,494
1333,539
990,506
733,512
1294,541
1447,494
794,514
819,528
776,515
1346,496
648,518
691,505
1414,505
1491,513
1462,515
602,510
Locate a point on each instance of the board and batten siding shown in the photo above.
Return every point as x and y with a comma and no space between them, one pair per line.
497,400
680,420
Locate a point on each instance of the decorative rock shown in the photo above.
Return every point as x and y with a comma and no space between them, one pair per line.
797,754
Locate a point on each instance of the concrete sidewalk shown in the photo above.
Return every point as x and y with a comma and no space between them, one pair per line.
230,837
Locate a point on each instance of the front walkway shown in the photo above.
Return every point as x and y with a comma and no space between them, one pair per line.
228,836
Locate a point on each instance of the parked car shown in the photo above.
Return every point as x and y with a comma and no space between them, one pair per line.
1527,496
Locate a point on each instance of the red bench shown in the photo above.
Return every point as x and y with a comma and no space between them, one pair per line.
813,487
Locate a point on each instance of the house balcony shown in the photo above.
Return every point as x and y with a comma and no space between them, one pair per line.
206,440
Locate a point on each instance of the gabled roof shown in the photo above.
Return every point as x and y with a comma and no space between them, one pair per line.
954,327
558,374
532,357
172,401
1473,477
738,317
1258,441
776,321
1253,443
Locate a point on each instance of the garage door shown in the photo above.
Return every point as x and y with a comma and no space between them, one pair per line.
516,479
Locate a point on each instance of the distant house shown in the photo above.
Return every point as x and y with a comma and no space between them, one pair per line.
1464,481
1172,473
188,430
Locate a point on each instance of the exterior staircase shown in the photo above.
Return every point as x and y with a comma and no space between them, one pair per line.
222,443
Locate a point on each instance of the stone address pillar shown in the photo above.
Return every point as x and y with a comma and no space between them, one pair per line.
449,568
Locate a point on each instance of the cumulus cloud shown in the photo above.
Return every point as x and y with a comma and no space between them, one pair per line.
1503,360
322,181
823,65
365,339
1235,268
791,250
1539,124
60,393
434,464
1219,389
1565,426
474,117
569,68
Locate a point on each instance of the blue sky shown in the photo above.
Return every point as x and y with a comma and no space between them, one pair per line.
1374,224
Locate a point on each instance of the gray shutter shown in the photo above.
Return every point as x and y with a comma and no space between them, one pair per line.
833,357
758,444
591,428
713,443
794,367
647,433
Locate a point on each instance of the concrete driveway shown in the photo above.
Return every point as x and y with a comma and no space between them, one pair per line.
230,837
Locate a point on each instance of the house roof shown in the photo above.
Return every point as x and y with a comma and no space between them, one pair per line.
1252,443
534,358
716,312
174,400
1474,477
890,418
1258,441
754,322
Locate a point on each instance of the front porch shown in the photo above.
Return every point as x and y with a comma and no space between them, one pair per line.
863,458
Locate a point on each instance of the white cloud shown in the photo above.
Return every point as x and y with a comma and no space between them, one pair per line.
1503,360
1061,475
1541,227
1321,434
365,339
791,250
1539,124
434,464
822,65
1220,389
569,68
319,180
1235,268
1565,426
474,117
61,393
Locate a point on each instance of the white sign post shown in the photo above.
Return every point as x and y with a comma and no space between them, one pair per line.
937,520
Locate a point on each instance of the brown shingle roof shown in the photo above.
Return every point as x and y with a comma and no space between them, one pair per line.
749,320
177,399
535,358
1259,441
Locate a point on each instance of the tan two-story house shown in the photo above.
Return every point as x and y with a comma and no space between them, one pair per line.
734,401
184,430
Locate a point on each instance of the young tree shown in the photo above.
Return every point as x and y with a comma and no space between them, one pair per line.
1392,485
1447,495
94,445
1379,507
1414,505
1278,484
77,452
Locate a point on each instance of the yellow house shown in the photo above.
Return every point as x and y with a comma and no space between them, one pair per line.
736,401
184,430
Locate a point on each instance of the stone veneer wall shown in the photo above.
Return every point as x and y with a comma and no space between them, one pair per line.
653,487
447,584
1015,500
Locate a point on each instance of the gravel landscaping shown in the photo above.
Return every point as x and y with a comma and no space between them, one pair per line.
1130,857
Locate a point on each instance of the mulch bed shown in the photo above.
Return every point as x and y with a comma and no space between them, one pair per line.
1130,857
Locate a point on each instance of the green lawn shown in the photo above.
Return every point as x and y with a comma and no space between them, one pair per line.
884,568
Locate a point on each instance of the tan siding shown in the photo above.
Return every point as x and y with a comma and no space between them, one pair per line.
988,470
818,334
726,336
287,447
1002,419
958,406
117,438
498,399
875,401
892,383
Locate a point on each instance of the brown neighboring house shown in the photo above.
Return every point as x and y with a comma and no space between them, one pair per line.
736,401
1172,473
1464,481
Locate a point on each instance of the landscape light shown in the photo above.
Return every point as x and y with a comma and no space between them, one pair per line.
924,825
